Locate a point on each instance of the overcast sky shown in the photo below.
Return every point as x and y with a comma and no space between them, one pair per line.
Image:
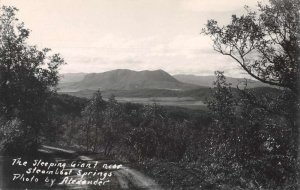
101,35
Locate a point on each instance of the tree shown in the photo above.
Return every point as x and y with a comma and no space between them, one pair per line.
114,125
27,75
93,119
223,105
266,45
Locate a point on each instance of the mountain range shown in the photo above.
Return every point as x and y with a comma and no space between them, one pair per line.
123,79
208,81
128,80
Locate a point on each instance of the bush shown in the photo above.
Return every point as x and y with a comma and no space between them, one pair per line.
13,141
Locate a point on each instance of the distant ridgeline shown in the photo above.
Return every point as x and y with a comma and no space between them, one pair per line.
128,83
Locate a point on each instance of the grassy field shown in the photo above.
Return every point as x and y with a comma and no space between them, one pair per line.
186,102
192,99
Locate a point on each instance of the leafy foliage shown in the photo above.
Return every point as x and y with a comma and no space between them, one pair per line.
27,76
264,44
262,134
93,119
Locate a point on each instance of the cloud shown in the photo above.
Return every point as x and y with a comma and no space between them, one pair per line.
114,48
216,5
190,54
96,36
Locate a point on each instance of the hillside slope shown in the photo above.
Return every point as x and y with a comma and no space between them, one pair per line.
208,81
123,79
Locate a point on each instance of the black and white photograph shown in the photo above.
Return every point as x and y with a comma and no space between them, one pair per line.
149,94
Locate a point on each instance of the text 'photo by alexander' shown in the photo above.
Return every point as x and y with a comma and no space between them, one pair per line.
149,94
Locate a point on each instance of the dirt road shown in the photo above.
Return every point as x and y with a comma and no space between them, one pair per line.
122,178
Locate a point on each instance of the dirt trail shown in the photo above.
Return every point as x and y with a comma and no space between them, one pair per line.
138,179
125,177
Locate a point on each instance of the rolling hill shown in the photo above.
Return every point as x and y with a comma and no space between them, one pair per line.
208,81
72,77
123,79
143,84
146,87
